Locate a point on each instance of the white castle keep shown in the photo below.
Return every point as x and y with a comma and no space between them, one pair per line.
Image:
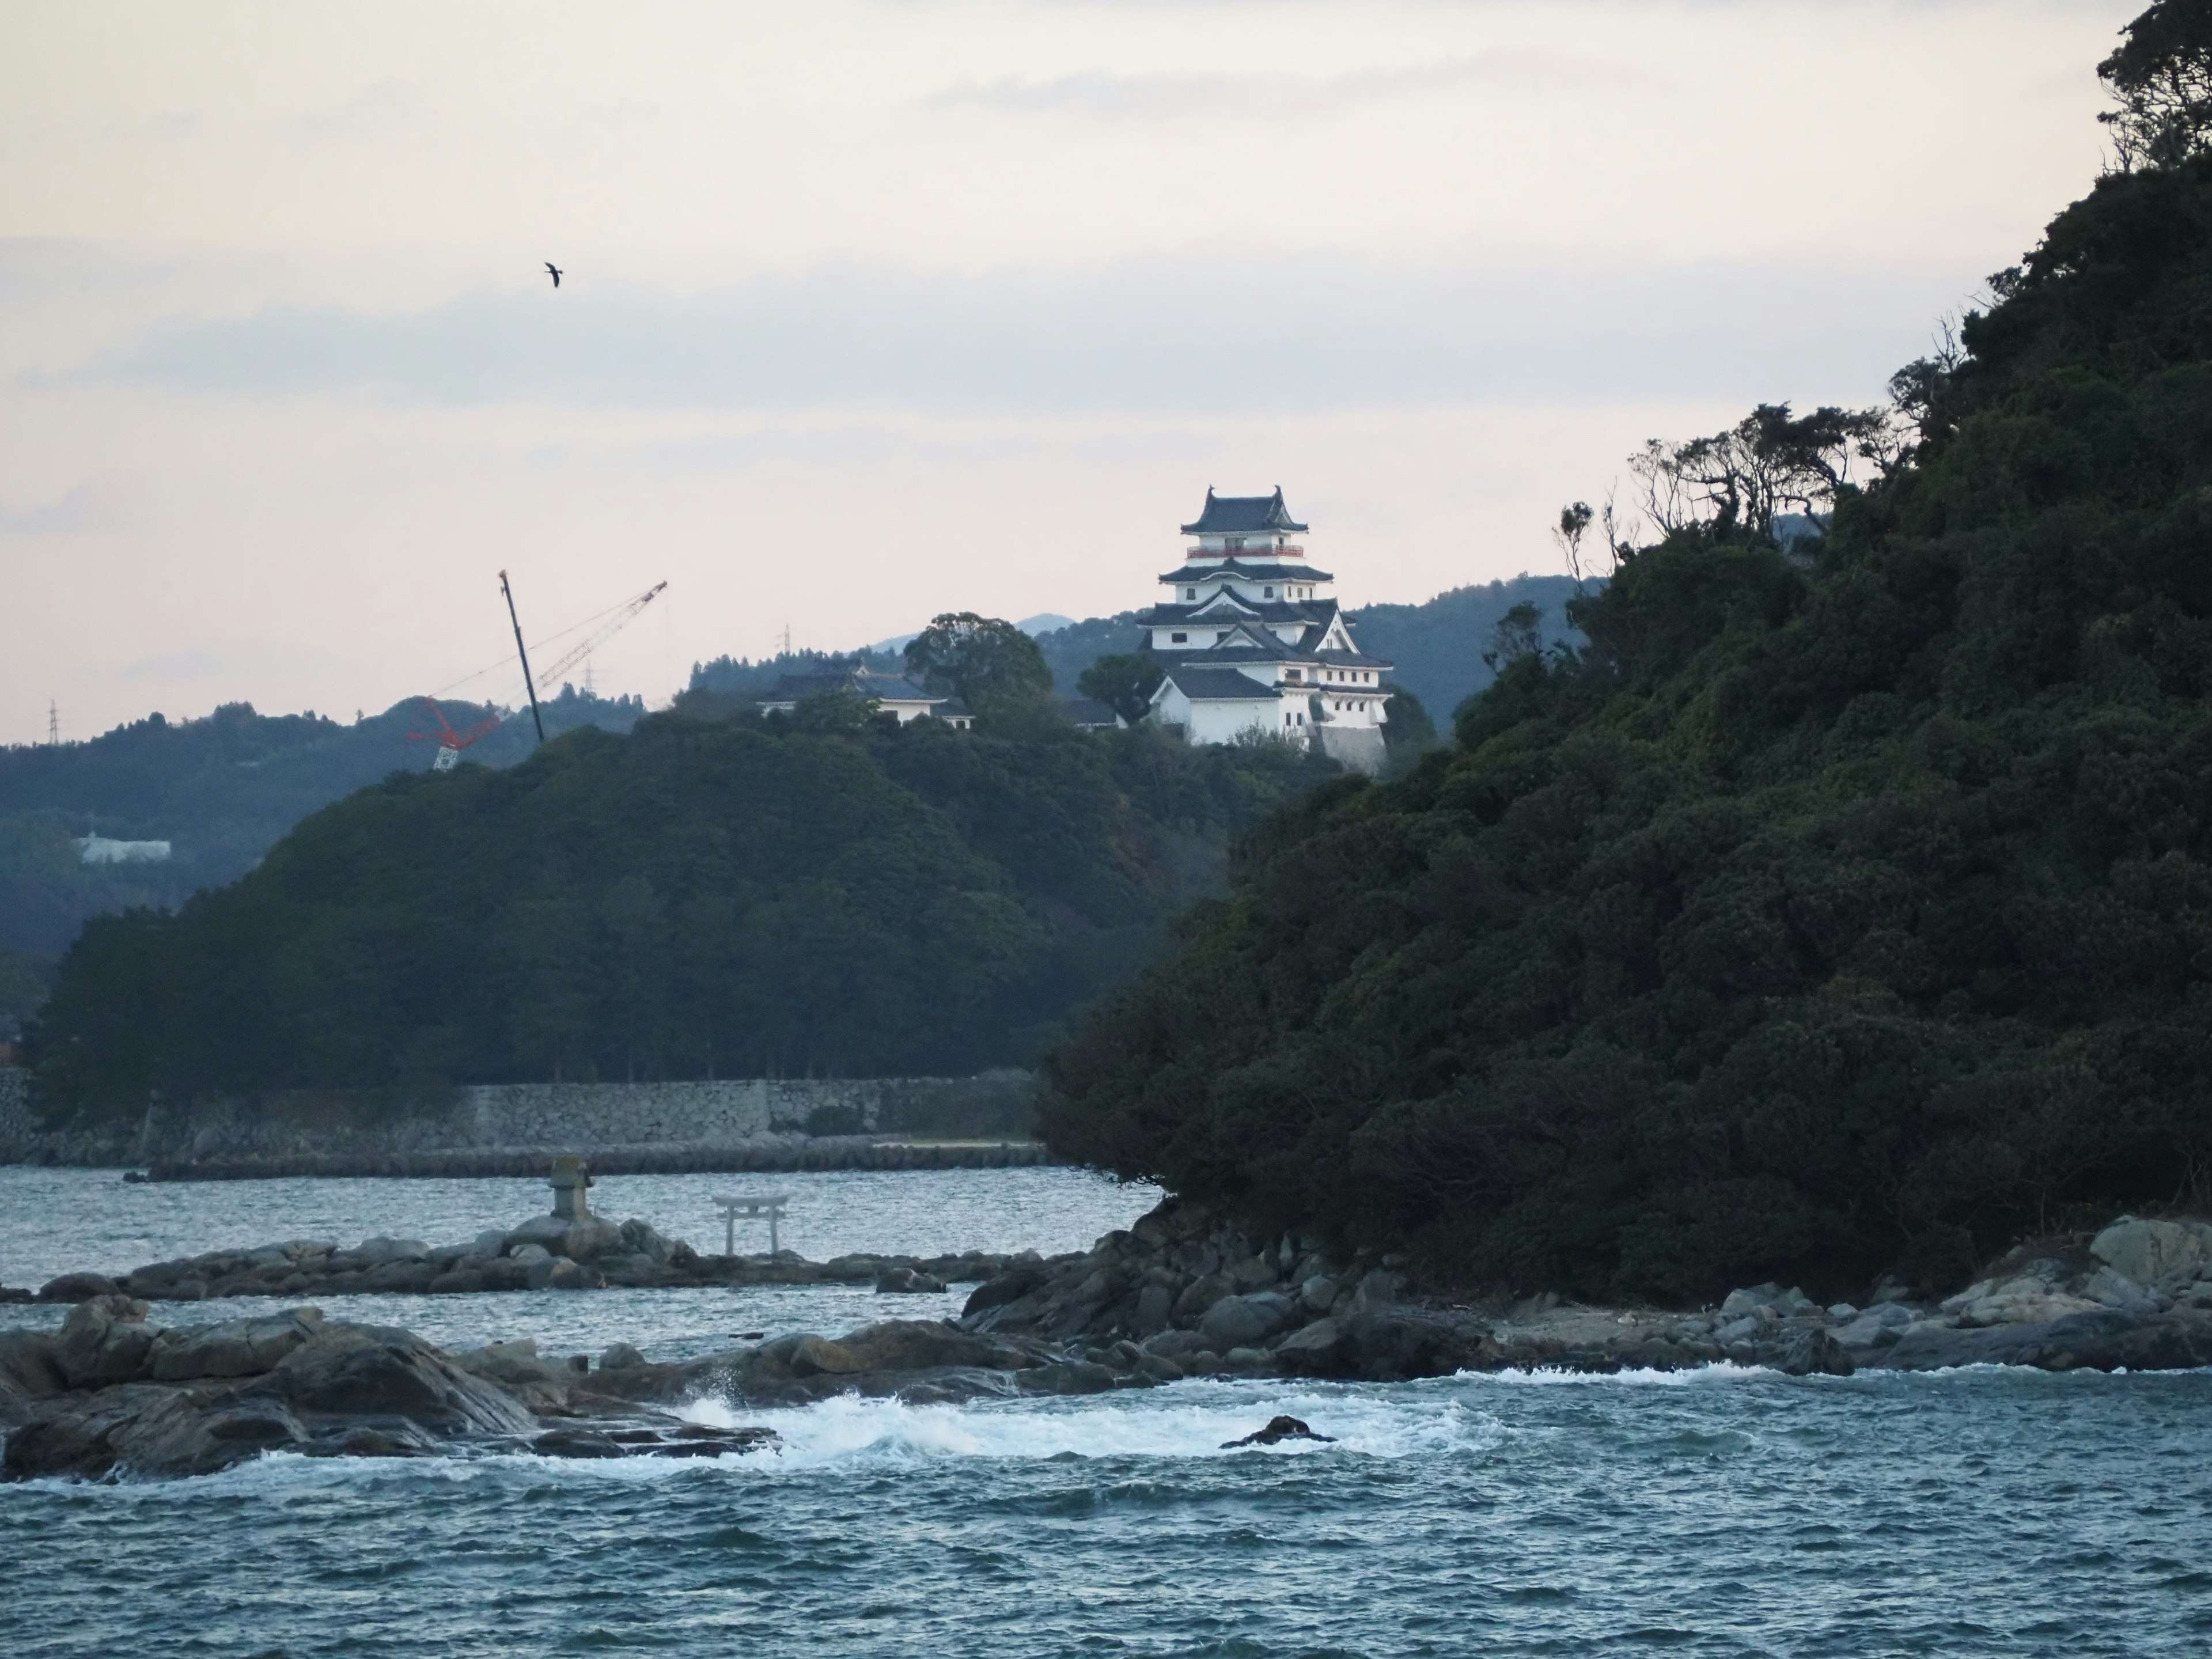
1253,644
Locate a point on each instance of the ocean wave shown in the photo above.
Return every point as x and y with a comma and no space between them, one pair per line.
1190,1420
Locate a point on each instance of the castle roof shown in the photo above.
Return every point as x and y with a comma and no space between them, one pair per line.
1242,515
1236,567
1222,685
1305,612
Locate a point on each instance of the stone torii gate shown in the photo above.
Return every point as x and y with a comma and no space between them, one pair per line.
753,1206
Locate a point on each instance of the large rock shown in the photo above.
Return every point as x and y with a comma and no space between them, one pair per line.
374,1370
1155,1308
146,1429
238,1347
2108,1287
1315,1348
1022,1280
2148,1251
907,1281
1388,1345
30,1370
1815,1354
78,1287
2028,1297
104,1339
1238,1321
376,1252
2103,1341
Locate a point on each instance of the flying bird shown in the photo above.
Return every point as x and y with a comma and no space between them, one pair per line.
556,270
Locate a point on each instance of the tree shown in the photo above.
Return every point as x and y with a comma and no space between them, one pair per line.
1124,682
2162,73
1408,731
1519,633
1765,463
979,659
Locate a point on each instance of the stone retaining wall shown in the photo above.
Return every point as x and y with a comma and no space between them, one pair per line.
716,1125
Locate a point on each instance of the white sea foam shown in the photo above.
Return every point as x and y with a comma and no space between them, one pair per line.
1725,1371
1191,1420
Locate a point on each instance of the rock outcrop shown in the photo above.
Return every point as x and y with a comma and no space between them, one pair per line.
109,1393
544,1253
1182,1292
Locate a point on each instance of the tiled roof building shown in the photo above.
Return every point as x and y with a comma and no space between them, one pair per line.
1251,640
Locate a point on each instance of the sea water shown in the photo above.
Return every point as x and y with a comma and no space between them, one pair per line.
1722,1511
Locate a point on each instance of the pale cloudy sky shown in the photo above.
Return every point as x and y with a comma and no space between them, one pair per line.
881,308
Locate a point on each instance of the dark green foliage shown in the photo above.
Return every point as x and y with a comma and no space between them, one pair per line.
1820,916
2162,73
989,664
703,898
1438,646
1410,733
734,683
1124,682
220,790
22,988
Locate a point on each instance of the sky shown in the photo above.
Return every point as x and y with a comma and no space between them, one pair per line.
878,308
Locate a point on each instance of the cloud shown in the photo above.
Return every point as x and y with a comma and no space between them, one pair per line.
376,112
106,501
1505,72
1205,331
236,660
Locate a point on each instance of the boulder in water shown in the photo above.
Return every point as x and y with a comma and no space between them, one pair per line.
908,1281
1816,1354
76,1287
1278,1429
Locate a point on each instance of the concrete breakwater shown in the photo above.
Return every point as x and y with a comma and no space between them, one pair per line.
776,1154
741,1124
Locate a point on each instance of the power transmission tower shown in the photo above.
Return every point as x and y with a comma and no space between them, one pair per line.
54,723
787,638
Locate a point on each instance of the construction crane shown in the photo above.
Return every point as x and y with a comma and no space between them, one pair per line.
451,743
523,652
624,616
617,621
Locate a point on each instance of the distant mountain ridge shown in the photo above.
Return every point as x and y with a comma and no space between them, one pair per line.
221,790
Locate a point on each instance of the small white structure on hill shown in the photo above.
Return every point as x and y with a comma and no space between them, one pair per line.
893,693
1253,644
98,849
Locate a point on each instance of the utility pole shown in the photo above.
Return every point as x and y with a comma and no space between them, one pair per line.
521,651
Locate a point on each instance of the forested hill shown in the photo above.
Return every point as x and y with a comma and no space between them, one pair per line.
220,790
1818,916
703,898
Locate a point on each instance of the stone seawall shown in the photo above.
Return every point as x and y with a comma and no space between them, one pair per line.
745,1123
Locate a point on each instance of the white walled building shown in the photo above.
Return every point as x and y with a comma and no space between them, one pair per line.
1252,640
895,693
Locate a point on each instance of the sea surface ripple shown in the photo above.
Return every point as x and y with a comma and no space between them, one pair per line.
1720,1512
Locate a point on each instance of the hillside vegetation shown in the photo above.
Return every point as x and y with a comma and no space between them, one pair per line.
822,893
220,790
1819,916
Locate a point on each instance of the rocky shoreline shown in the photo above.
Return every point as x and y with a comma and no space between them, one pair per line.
1180,1294
545,1253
